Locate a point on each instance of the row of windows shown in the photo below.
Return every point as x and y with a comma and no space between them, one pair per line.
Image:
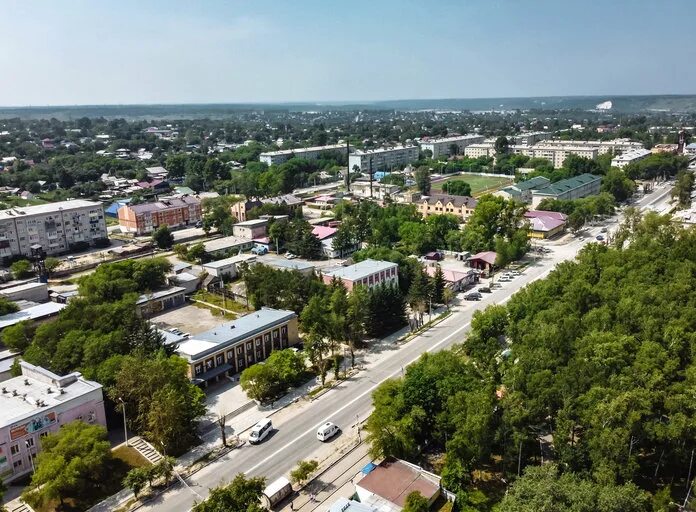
384,275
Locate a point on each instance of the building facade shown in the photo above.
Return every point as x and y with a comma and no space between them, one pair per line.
382,159
629,157
37,403
143,219
56,227
557,153
365,273
279,157
440,204
231,347
522,190
480,149
443,147
250,229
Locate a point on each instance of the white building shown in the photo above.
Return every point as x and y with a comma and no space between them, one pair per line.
629,157
36,404
377,191
529,138
557,153
382,159
56,227
278,157
443,146
480,149
603,146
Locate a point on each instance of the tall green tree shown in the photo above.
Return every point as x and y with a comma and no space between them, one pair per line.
422,177
242,494
163,237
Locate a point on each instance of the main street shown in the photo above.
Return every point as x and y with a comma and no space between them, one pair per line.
295,439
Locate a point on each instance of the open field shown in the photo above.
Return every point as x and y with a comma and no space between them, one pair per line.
479,184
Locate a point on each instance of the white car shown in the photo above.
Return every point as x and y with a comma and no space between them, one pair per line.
327,431
290,256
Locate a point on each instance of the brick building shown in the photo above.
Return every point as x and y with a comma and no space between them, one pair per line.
143,219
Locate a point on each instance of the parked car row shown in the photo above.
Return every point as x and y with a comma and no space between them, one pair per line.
263,429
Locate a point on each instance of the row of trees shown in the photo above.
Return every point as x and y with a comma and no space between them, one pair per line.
272,378
595,360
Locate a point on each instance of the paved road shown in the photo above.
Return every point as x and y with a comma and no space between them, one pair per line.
294,438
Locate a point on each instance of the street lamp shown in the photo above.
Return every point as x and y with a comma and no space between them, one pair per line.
357,426
125,428
31,458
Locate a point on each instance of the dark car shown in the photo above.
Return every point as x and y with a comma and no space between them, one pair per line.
484,289
599,237
473,296
435,256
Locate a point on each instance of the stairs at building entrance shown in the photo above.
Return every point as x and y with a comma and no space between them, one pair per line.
145,449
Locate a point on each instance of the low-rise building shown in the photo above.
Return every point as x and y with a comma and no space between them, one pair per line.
279,157
543,224
629,157
37,403
457,280
149,304
382,159
250,229
690,149
240,210
365,273
233,346
145,218
35,292
522,190
665,148
449,146
37,313
228,268
227,246
484,261
374,190
572,188
56,227
439,204
303,267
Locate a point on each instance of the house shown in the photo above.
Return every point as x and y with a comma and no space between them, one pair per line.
157,173
228,268
366,273
375,190
39,402
155,185
438,204
456,280
227,246
522,190
112,209
145,218
580,186
544,224
162,300
251,229
484,261
240,210
233,346
186,280
326,235
386,486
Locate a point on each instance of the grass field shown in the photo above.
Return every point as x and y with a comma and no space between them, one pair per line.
479,184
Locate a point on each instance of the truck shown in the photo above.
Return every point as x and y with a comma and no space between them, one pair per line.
276,492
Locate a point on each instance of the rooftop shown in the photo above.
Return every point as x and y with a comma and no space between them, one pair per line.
382,150
240,258
457,201
227,242
231,332
165,204
360,270
451,139
32,313
487,256
283,264
566,185
23,287
252,223
346,505
394,480
322,232
331,147
36,389
536,182
146,297
42,209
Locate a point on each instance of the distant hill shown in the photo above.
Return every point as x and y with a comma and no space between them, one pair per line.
620,104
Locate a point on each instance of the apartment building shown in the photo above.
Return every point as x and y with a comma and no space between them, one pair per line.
143,219
440,204
480,149
614,146
241,209
233,346
529,138
383,159
365,273
55,227
665,148
557,153
279,157
444,146
376,190
37,403
629,157
572,188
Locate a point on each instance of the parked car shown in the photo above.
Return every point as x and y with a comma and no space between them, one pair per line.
504,279
473,296
290,256
495,286
260,431
600,238
327,431
603,230
435,256
515,272
485,289
259,250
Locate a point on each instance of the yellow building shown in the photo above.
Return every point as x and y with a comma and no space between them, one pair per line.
440,204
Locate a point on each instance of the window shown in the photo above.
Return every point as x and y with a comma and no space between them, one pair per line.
44,434
17,463
230,355
248,345
219,359
14,449
240,350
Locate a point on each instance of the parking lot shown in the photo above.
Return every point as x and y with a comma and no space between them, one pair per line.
190,318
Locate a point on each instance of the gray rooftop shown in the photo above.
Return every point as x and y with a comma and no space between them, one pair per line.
174,290
227,242
230,333
360,270
43,209
32,313
240,258
286,264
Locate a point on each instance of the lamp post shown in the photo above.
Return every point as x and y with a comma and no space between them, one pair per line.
125,428
31,458
357,426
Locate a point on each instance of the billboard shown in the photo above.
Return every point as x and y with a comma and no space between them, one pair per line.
33,425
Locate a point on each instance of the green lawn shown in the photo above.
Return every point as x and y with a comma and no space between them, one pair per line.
479,184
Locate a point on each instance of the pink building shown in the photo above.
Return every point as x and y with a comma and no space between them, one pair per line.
366,273
39,402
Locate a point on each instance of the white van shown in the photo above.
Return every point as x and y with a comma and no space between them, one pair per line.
260,431
327,431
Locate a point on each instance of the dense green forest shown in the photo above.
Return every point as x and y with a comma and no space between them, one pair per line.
578,394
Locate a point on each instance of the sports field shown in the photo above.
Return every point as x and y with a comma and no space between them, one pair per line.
479,184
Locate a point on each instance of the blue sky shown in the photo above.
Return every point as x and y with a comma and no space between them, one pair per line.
170,51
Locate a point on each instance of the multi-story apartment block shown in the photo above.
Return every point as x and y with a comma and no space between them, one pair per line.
573,188
445,146
278,157
480,149
231,347
367,273
142,219
37,403
614,146
440,204
241,209
629,157
382,159
529,138
55,227
557,153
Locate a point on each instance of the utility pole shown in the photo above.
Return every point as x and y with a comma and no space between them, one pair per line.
370,177
347,178
125,428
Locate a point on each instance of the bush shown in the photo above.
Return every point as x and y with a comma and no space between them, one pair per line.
267,380
21,269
